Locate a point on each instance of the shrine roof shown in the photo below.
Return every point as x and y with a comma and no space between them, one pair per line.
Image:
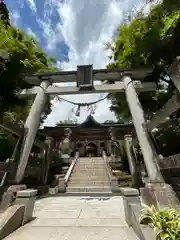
90,123
89,128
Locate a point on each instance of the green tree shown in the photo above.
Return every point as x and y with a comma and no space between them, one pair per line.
4,13
109,121
68,121
25,56
19,54
148,40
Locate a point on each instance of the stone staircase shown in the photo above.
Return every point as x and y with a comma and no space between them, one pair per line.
89,175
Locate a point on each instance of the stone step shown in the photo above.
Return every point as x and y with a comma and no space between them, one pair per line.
89,189
88,186
89,166
90,158
89,171
83,183
92,179
89,178
90,162
89,194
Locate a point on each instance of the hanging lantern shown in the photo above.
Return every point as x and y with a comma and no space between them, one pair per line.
78,111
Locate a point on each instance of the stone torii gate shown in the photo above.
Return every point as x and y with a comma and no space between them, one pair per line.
125,80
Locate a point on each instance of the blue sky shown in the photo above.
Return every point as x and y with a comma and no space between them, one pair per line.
73,32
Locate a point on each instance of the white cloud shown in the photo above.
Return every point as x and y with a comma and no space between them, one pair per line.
31,33
15,17
85,26
32,5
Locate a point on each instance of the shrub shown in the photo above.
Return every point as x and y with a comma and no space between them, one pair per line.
165,222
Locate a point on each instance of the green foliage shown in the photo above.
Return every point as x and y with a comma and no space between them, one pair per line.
68,121
19,54
4,13
144,42
149,40
108,121
165,222
25,56
166,134
7,142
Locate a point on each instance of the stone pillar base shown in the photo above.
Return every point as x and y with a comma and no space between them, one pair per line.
160,195
130,196
62,185
54,190
115,186
9,196
26,198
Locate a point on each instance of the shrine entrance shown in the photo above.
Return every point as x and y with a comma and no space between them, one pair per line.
127,81
91,150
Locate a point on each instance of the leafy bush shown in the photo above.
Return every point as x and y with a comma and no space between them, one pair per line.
165,222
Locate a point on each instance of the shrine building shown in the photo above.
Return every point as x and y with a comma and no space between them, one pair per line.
89,134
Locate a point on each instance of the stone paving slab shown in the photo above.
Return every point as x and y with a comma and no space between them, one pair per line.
78,218
100,222
96,233
39,233
56,222
63,213
69,233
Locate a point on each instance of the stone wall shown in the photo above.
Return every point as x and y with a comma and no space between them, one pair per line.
170,162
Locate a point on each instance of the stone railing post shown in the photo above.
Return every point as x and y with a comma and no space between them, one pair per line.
9,196
130,196
113,180
48,159
62,185
133,164
27,198
132,208
131,160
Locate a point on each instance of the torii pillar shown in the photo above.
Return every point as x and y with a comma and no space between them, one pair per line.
150,156
31,126
156,192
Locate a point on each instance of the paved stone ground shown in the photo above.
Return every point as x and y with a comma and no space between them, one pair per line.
78,218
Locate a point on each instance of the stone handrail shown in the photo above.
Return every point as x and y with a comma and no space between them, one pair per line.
108,168
18,213
132,208
68,174
113,180
63,180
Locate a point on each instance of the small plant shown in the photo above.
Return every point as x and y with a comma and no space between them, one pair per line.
165,222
